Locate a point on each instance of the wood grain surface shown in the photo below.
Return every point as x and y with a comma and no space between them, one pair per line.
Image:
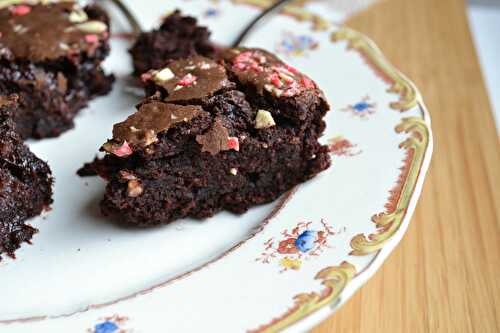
445,274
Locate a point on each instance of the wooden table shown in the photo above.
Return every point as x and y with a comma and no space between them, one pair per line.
445,274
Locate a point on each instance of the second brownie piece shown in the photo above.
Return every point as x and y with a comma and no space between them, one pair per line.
50,55
177,37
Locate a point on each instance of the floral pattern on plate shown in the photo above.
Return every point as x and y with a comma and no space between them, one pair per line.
293,45
112,324
340,146
212,12
304,241
362,109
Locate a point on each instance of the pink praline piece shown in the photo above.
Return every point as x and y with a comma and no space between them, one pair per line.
20,10
187,80
123,150
233,143
92,38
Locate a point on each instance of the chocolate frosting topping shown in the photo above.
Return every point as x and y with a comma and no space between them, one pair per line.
4,101
192,78
265,71
8,100
215,139
141,128
40,32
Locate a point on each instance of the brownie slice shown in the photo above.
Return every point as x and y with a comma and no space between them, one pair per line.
50,55
25,183
177,37
214,136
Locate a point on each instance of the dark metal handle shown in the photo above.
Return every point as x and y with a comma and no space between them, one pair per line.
134,23
276,7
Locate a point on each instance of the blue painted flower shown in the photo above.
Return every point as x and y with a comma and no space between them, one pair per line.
106,327
305,241
211,12
287,45
296,45
361,106
307,42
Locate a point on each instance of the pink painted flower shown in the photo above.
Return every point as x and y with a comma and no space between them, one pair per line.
288,246
340,146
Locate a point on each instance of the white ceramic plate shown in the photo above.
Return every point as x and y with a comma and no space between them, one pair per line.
231,273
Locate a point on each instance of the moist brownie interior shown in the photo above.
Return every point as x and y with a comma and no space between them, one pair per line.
214,136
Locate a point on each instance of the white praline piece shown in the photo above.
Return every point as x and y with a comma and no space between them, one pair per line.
164,75
78,16
264,119
93,27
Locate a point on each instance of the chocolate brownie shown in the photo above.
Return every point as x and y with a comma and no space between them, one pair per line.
50,55
177,37
214,136
25,183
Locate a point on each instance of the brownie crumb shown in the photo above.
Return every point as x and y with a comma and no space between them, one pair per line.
89,169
